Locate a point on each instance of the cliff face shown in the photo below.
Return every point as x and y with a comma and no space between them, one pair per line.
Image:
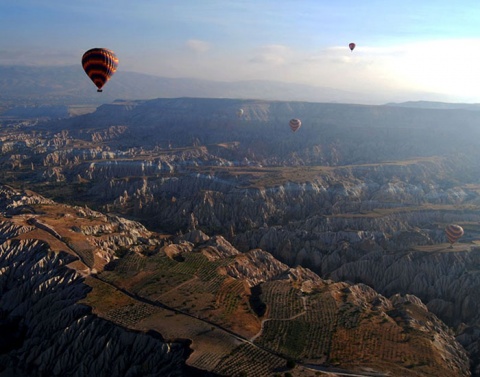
220,202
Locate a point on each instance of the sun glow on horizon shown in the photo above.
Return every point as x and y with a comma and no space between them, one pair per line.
444,66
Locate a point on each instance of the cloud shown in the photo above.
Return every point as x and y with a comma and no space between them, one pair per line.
198,46
447,66
272,55
442,65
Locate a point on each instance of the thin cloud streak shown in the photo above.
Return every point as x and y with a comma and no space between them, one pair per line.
198,45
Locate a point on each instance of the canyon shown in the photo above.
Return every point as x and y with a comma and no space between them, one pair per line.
345,216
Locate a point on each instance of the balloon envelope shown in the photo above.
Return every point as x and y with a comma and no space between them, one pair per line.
239,112
99,64
295,124
352,46
453,232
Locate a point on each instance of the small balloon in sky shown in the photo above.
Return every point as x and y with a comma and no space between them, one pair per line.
352,46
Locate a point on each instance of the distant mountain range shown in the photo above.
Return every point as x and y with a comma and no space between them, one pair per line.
437,105
67,85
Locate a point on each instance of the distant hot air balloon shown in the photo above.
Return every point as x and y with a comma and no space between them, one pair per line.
295,124
99,64
240,113
352,46
453,232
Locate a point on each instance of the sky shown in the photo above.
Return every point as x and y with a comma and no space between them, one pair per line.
420,49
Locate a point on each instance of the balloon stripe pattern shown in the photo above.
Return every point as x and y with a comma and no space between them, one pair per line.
295,124
99,64
453,232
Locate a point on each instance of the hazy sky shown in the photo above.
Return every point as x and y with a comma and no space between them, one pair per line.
402,46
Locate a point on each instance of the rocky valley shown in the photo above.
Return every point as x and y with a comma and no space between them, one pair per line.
216,238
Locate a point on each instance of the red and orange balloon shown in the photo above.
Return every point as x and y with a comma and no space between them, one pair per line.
99,64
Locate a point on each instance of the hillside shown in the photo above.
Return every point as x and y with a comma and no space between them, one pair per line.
106,288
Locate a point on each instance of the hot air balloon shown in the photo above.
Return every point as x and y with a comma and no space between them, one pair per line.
295,124
453,232
239,113
99,64
352,46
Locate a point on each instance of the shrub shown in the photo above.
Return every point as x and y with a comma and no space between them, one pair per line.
291,364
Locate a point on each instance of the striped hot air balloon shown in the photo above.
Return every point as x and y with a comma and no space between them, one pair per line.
453,232
295,124
99,64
